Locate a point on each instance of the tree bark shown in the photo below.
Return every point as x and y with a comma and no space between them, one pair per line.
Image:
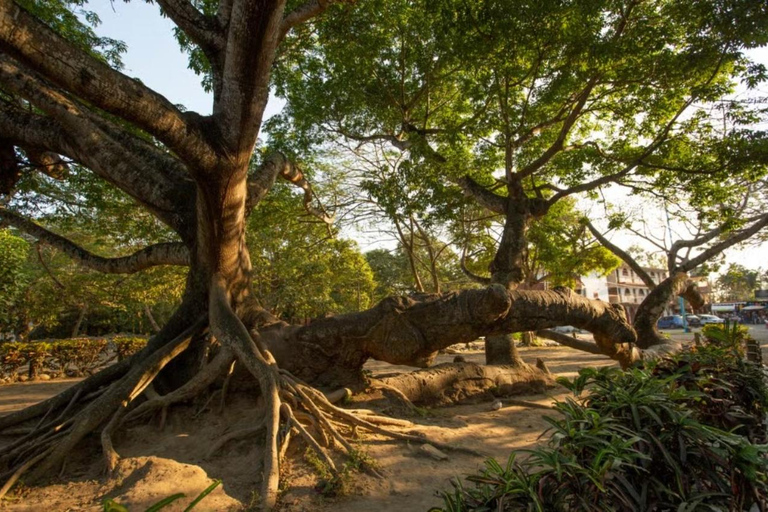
501,349
411,330
652,307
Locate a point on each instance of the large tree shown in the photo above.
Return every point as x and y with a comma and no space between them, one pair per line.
555,73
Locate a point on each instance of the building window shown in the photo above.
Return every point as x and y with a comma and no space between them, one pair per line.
626,291
642,292
624,272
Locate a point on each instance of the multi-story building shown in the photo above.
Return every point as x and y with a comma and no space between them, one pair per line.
623,286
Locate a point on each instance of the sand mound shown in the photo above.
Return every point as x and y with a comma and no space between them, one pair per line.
144,481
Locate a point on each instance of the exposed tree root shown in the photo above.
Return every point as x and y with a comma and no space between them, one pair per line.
453,382
47,446
292,409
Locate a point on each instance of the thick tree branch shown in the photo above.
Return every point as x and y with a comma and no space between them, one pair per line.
149,175
410,330
303,13
482,195
629,260
202,30
565,129
40,48
253,35
154,255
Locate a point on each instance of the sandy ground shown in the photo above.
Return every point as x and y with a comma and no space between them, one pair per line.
157,463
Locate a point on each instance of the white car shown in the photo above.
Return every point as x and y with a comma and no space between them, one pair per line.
710,319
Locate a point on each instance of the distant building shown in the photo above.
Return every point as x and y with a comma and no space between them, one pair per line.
623,286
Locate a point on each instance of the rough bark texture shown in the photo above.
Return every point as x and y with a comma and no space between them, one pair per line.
501,349
457,382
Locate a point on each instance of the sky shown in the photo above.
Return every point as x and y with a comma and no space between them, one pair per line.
154,56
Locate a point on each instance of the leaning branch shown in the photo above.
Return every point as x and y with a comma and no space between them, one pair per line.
474,277
303,13
154,255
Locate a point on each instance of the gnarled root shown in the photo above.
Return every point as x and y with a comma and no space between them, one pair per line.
449,383
48,445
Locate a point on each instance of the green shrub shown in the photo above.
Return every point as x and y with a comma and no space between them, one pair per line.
676,435
80,356
12,358
127,346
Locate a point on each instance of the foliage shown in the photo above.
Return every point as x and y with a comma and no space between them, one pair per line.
127,346
738,283
13,278
80,356
730,335
679,434
112,506
561,250
63,358
303,271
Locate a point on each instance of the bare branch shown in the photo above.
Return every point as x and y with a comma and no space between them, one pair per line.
735,238
629,260
277,164
154,255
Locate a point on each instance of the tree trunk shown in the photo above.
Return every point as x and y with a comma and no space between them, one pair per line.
501,349
653,305
79,322
151,318
527,338
507,270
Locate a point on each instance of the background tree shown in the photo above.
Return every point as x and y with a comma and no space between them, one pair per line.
584,95
738,283
703,232
13,278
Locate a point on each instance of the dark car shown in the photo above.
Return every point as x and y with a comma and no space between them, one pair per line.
693,320
670,322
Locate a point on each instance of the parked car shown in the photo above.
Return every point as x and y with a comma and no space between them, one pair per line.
569,329
670,322
693,320
710,319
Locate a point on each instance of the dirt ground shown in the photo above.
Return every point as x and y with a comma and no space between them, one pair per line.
158,463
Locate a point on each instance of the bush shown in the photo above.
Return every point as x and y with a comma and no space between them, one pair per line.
73,357
78,356
12,358
680,434
127,346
